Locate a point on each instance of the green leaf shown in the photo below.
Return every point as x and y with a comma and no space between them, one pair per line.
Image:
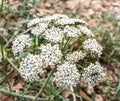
2,79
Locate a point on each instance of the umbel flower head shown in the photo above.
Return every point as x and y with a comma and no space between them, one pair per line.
69,21
54,35
20,43
50,54
60,42
93,74
39,29
86,31
72,31
75,56
67,75
93,46
31,68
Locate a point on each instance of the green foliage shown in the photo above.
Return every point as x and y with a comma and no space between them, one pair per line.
110,37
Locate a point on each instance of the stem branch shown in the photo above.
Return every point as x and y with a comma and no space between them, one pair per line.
74,97
43,86
13,65
1,9
21,95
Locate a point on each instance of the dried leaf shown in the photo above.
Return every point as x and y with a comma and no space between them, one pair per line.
115,78
18,86
84,3
5,97
72,4
2,22
90,89
84,95
96,5
14,3
66,94
98,98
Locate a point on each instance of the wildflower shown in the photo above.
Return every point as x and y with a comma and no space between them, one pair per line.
93,74
93,46
72,31
69,21
67,75
33,22
30,68
75,56
51,55
20,43
39,29
54,35
86,31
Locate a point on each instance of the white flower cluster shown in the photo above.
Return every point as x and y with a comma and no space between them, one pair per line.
39,29
93,74
67,75
93,46
20,43
58,45
31,68
33,22
75,56
86,31
72,31
69,21
46,19
58,19
54,35
50,55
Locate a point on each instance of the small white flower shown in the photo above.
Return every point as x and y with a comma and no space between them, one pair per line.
93,46
67,75
86,31
71,31
31,68
69,21
20,43
75,56
46,19
93,74
51,55
39,29
54,35
33,22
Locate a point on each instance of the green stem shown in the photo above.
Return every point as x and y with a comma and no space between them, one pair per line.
3,62
15,34
24,96
74,44
36,42
2,79
26,88
3,55
66,44
1,9
13,65
43,86
74,97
